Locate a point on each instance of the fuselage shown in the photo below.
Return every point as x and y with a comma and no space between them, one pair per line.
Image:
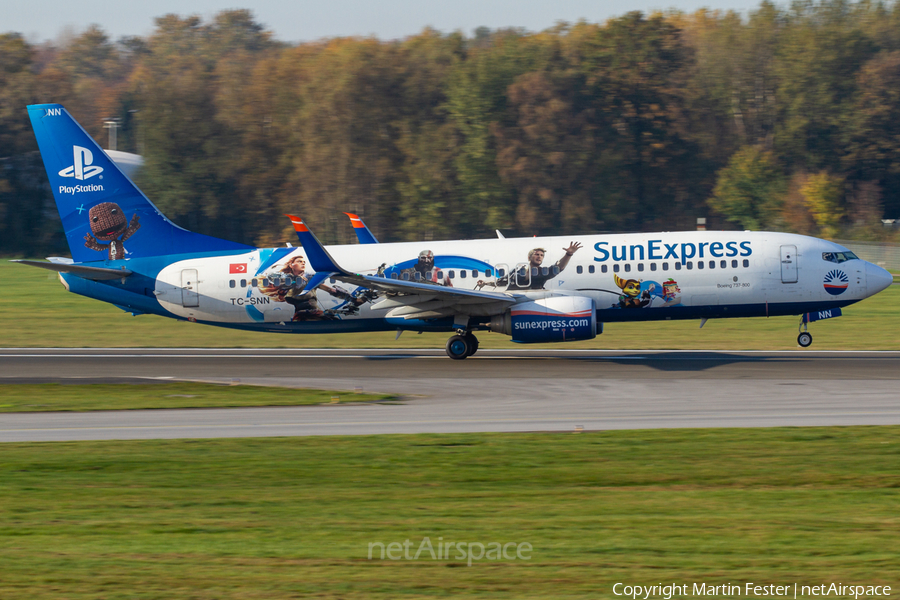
629,277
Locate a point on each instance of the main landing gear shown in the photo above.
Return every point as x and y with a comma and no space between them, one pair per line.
805,337
462,346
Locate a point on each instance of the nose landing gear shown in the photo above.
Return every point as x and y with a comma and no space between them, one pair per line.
805,337
462,346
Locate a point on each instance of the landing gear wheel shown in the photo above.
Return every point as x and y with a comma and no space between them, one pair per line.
804,339
457,347
473,344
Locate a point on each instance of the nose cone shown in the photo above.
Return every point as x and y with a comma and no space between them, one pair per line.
877,279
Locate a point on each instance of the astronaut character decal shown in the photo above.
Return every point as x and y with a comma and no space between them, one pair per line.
108,224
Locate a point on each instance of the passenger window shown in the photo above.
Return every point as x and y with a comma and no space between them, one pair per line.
579,269
440,275
501,272
699,264
231,283
591,269
265,282
652,266
406,277
603,269
534,271
723,264
746,263
452,274
616,268
462,274
712,264
254,282
243,283
628,267
640,266
545,271
554,269
690,265
665,266
474,273
394,276
487,272
417,275
678,266
276,281
734,264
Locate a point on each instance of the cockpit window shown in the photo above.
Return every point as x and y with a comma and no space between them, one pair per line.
839,257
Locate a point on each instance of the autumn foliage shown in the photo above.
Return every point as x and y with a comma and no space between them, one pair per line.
787,118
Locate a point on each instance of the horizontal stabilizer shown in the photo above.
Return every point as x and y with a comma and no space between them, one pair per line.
92,273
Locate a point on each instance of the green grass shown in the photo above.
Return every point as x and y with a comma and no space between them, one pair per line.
36,311
293,517
78,397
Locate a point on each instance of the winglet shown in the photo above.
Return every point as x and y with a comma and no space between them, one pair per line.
318,256
362,232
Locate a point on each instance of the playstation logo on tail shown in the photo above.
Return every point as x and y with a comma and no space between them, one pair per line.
82,167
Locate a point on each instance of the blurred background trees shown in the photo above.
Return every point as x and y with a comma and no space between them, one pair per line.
785,118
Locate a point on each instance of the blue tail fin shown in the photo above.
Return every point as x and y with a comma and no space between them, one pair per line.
104,215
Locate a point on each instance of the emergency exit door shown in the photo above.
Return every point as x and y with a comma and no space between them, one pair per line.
789,264
189,293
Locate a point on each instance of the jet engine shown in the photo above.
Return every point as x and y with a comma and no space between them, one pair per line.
555,319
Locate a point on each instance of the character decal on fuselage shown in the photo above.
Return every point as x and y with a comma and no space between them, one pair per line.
289,283
108,224
632,297
671,293
435,269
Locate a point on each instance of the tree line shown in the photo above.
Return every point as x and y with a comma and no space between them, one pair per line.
785,118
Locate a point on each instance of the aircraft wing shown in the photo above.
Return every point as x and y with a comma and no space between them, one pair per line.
92,273
407,299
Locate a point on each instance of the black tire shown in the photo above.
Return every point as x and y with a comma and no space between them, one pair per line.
804,339
457,347
473,343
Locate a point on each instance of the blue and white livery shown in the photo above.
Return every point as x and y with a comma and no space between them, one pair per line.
549,289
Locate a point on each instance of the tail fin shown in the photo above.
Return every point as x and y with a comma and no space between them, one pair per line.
104,215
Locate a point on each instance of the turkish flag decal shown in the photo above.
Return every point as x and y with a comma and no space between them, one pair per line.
241,268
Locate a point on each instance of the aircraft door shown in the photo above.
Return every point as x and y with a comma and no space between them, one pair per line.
789,264
189,289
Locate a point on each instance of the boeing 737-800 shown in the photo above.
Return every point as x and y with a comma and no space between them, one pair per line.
547,289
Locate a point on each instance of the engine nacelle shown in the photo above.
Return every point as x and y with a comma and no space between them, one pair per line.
556,319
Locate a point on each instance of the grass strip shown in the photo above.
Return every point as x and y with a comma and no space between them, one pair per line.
294,517
43,397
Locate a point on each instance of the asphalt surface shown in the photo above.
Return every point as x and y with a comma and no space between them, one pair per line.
495,391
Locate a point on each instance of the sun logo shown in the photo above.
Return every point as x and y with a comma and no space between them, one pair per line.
836,282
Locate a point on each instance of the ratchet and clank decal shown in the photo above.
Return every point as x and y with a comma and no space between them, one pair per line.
640,293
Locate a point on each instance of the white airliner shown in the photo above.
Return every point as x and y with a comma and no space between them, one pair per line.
548,289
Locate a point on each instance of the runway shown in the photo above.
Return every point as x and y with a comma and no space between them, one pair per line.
494,391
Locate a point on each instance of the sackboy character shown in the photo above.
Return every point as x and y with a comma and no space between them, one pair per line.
109,225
